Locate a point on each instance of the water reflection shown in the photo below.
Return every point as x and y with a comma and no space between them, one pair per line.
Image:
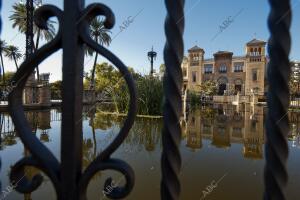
227,124
222,125
208,133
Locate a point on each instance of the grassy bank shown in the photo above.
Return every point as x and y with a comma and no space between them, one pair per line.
124,115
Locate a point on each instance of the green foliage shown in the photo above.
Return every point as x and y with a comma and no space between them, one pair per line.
19,19
162,68
55,89
195,99
150,96
13,53
208,113
209,88
110,82
107,77
101,35
8,77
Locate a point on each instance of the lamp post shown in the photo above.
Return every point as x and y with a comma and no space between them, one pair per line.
152,56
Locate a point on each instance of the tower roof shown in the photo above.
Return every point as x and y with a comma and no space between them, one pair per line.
223,53
256,42
195,48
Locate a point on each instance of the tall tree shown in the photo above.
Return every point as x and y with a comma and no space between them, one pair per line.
2,50
102,36
13,53
19,18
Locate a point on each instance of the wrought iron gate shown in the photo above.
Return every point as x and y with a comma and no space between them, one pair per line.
67,177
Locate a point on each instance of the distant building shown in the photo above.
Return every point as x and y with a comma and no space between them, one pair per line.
44,78
295,68
233,74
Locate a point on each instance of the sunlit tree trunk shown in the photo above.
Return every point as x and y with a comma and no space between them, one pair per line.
36,47
15,61
3,71
92,84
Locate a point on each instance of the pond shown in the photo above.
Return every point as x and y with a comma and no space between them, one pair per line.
222,151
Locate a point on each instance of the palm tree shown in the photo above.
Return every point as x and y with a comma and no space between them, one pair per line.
19,18
13,53
2,50
102,36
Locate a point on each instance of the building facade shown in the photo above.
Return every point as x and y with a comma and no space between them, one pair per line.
244,75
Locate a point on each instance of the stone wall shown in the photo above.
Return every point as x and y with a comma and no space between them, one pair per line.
44,95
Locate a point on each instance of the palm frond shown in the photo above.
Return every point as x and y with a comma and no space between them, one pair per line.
19,21
13,52
99,33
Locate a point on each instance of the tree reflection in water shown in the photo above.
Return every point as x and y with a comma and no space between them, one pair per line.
220,126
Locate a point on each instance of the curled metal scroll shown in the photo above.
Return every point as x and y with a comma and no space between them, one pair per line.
103,161
277,126
173,55
0,69
41,157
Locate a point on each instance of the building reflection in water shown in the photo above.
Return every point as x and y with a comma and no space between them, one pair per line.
223,125
227,124
37,120
220,125
44,118
294,134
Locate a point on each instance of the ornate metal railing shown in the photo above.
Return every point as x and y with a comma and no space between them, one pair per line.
67,177
0,70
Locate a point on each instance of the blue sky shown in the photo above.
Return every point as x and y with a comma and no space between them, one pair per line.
203,21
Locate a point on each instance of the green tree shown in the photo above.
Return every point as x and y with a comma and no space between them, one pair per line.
19,20
162,68
55,89
111,83
108,81
209,88
2,50
8,77
102,36
13,53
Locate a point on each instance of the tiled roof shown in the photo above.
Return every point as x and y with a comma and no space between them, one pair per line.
195,48
256,41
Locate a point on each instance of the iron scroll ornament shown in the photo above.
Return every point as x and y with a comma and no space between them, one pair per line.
41,157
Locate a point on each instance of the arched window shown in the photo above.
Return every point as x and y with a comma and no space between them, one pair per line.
255,52
223,69
194,77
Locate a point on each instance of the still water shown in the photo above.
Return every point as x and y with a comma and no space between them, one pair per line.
222,151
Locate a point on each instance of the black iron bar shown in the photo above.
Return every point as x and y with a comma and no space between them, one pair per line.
173,55
72,89
277,125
